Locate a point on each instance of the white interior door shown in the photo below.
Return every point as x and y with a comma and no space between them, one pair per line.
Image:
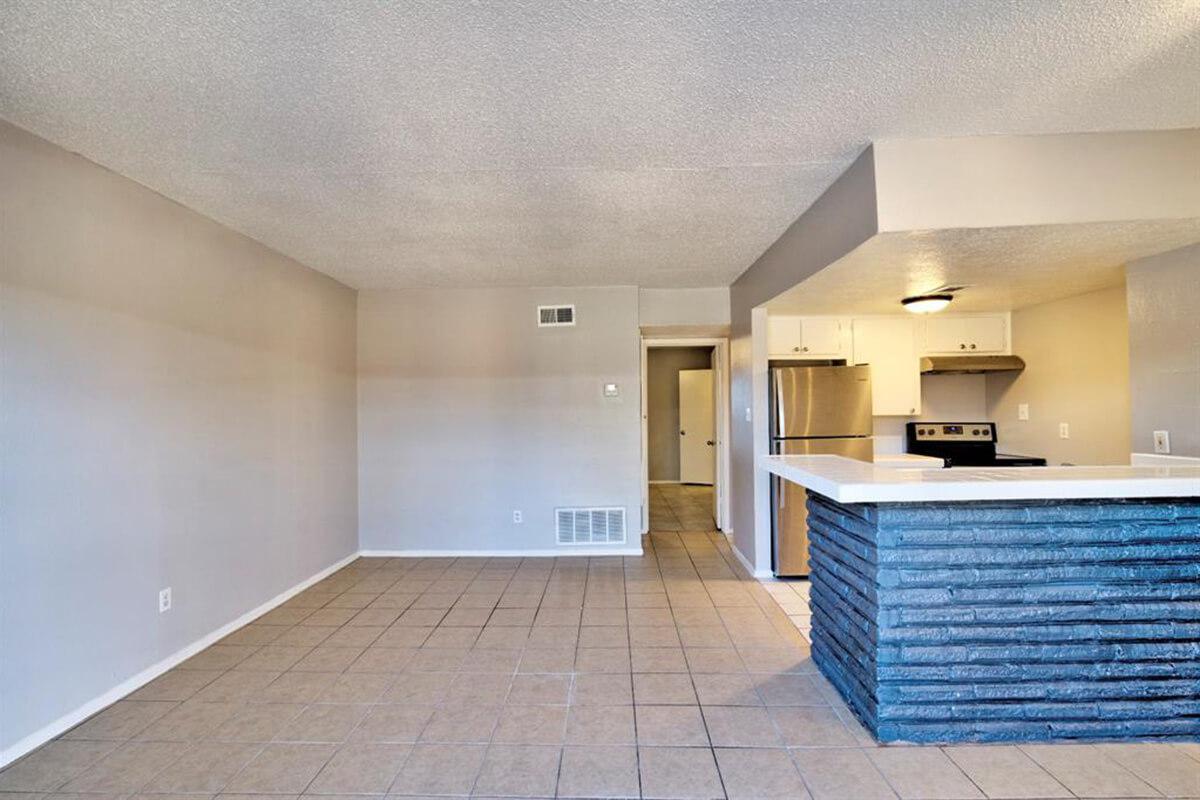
697,431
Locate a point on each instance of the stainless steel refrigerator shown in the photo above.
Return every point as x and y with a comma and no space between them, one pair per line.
814,410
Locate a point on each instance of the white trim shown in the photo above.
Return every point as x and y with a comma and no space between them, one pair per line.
745,562
73,718
655,482
1162,460
566,551
721,399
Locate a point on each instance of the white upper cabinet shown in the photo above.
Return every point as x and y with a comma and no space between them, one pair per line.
805,337
889,346
965,335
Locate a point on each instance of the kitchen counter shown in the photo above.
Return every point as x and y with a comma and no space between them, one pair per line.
908,461
849,481
1010,604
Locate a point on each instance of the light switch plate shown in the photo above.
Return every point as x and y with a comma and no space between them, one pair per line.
1162,443
1023,411
1064,430
747,415
612,390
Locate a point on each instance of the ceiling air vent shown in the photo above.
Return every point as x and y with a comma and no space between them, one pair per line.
590,525
556,316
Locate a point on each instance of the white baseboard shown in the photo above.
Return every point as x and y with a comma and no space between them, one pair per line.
78,715
745,562
558,552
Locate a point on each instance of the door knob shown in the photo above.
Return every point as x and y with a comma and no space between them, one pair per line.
683,433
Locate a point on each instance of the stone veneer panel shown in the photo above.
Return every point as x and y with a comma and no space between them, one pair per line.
1010,621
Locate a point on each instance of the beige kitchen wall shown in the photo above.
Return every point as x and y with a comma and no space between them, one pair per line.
1076,353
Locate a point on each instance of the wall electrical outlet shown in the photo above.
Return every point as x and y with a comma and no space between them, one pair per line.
517,519
164,600
1023,411
1064,430
1162,443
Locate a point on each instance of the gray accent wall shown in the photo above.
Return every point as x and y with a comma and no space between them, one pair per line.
1164,349
842,219
662,405
178,410
468,411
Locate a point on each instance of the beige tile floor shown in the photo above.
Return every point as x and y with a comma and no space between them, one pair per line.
681,507
665,676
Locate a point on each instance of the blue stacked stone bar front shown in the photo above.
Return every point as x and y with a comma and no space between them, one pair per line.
1010,621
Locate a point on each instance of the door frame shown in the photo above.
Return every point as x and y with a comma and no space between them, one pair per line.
721,411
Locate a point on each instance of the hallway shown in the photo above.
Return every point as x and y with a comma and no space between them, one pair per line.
681,507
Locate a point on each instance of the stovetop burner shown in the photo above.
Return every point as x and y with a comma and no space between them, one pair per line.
963,444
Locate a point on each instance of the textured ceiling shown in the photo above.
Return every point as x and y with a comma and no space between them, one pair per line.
432,143
1003,268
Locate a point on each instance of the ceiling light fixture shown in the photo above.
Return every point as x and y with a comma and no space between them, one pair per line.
926,303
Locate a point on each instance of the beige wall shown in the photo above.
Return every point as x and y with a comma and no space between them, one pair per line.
1076,355
662,405
468,410
1164,349
178,410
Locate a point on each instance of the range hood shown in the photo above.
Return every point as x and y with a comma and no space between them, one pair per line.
951,365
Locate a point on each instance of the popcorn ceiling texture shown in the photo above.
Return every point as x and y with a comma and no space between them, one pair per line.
568,143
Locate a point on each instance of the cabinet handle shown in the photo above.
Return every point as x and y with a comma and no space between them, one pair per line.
805,349
962,347
795,349
972,346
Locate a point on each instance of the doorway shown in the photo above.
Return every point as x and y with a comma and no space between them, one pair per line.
683,434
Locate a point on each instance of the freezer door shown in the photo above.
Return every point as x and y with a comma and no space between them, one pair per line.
820,401
789,514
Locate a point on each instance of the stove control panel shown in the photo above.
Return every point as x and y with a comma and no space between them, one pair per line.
953,431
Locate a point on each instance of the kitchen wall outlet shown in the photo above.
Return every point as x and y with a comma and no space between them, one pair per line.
1162,443
517,519
164,600
1064,430
1023,411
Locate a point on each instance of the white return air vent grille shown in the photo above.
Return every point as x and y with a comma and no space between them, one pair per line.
556,316
590,525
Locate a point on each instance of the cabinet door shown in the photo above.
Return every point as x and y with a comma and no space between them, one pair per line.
965,335
783,336
986,334
889,346
820,336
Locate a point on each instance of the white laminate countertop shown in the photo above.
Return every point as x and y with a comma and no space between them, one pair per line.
849,481
908,461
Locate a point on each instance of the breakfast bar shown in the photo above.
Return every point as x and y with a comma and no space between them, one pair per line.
1016,604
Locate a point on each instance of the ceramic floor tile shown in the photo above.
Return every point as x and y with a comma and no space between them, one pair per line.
923,773
128,768
1168,770
840,774
1088,771
740,726
1004,771
51,766
206,767
534,725
122,720
672,726
281,769
361,769
760,775
682,773
439,769
395,723
599,772
594,725
518,771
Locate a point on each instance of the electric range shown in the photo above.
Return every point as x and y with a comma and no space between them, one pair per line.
963,444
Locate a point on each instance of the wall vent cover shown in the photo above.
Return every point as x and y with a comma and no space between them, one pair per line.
556,316
590,525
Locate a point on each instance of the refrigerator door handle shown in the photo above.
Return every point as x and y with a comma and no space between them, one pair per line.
780,492
780,420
